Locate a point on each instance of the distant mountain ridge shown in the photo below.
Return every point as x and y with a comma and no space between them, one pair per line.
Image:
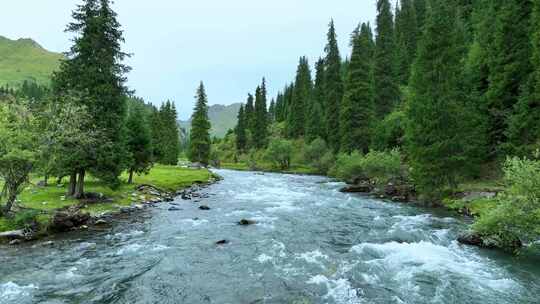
222,118
25,59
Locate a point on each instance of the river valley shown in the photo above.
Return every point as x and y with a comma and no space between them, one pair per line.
310,244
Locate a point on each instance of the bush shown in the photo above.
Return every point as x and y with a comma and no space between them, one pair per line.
377,166
279,152
318,156
26,219
517,215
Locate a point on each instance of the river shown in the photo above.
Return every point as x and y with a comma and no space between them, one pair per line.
311,244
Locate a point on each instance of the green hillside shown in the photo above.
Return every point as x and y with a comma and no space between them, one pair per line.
221,117
25,59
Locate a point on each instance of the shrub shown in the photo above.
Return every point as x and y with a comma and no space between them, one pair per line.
517,215
380,167
279,152
26,219
318,156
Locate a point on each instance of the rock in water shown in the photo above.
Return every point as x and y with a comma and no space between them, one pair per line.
100,222
204,207
222,242
175,209
68,219
245,222
362,188
15,234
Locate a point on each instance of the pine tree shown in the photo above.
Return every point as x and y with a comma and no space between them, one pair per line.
524,130
272,111
280,107
437,132
240,131
93,67
509,64
315,120
165,134
303,86
385,77
138,141
357,110
249,112
333,87
420,7
406,35
260,130
200,129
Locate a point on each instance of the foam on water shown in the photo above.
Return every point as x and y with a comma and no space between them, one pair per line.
11,292
340,289
402,262
313,257
263,258
131,248
194,223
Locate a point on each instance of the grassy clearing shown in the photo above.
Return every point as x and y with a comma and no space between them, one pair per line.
47,199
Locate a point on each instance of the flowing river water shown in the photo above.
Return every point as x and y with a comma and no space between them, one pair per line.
311,244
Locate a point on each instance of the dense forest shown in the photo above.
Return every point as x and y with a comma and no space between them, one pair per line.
439,94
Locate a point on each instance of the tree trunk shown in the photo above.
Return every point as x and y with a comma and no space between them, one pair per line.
72,184
46,180
9,203
79,189
130,179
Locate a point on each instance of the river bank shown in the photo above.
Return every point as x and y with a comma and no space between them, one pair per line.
43,210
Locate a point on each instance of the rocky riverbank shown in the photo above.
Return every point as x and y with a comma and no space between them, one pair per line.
77,217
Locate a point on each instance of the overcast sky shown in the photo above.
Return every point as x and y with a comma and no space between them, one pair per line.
230,45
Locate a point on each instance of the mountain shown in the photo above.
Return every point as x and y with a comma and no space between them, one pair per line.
221,117
25,59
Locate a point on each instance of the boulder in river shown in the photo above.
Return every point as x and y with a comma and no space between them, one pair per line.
222,242
174,208
68,219
245,222
13,235
204,207
360,188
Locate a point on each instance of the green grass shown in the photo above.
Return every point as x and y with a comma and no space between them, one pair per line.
24,59
47,199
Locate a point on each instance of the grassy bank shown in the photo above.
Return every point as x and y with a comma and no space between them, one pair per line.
44,200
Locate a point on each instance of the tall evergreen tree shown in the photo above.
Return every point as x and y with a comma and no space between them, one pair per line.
420,7
272,111
357,109
280,107
437,133
249,112
260,131
333,86
200,129
524,131
240,131
303,86
509,64
386,82
139,143
406,35
315,119
93,67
